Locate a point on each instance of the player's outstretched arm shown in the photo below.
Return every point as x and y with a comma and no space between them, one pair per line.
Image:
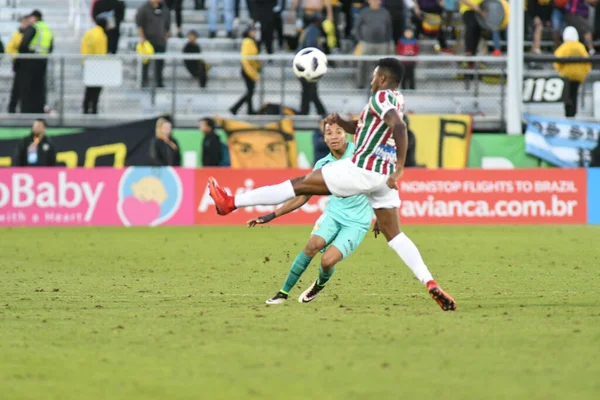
396,124
348,126
287,208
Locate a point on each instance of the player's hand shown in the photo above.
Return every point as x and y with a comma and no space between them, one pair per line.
261,220
392,180
376,230
255,221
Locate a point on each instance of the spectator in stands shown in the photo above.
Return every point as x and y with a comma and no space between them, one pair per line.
347,9
541,11
12,47
196,68
94,42
572,73
264,13
558,21
164,149
35,150
153,22
250,69
310,8
213,7
432,7
398,14
113,12
320,148
312,37
577,13
37,39
408,46
450,7
236,8
468,9
176,5
597,22
374,32
279,22
212,148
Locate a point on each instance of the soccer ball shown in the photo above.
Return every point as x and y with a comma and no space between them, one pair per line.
310,64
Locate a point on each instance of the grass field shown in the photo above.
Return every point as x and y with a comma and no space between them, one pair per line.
179,313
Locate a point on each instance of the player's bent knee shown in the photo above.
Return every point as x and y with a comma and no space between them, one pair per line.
315,244
329,260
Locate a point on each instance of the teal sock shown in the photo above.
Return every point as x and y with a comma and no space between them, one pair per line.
298,267
324,276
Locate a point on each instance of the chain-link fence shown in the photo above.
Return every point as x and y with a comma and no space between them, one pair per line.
443,84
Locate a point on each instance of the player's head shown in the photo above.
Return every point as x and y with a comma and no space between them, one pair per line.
387,75
335,137
35,16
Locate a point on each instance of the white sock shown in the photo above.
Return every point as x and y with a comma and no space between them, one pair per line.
409,253
266,195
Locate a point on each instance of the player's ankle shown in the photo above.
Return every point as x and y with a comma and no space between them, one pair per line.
431,284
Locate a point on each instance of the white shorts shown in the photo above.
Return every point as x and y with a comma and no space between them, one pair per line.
344,179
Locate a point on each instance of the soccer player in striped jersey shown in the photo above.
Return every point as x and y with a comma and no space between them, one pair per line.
374,170
337,233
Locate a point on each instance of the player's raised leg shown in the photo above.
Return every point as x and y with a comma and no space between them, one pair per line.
311,184
301,262
389,225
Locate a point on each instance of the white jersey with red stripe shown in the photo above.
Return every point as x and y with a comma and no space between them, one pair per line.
375,145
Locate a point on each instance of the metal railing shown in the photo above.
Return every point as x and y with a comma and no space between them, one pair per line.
445,84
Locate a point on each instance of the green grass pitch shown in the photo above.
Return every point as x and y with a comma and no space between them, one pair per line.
179,313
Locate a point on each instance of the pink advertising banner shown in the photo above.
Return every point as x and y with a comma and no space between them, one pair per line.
134,196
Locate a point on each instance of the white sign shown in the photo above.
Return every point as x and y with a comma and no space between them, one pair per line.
103,72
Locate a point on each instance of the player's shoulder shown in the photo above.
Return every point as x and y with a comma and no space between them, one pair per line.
322,162
387,95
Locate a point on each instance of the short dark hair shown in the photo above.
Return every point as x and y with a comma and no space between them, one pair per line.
101,22
193,33
42,120
37,14
392,68
210,122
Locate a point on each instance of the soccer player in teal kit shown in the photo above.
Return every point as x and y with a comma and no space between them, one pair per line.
337,233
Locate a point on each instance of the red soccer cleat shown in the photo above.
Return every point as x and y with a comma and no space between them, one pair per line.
445,301
224,203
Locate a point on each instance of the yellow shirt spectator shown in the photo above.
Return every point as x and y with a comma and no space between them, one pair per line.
251,67
572,48
12,47
94,42
467,5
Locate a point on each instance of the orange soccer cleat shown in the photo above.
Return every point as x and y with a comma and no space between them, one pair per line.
445,301
224,203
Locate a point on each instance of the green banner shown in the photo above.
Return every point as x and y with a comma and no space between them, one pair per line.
486,150
500,151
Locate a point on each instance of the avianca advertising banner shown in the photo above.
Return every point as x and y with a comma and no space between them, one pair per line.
524,196
135,196
430,196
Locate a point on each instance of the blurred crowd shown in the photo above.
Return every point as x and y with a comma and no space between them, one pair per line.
368,27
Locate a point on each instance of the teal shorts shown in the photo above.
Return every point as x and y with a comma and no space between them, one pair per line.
345,238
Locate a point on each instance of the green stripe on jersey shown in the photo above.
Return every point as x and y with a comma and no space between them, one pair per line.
373,143
375,104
